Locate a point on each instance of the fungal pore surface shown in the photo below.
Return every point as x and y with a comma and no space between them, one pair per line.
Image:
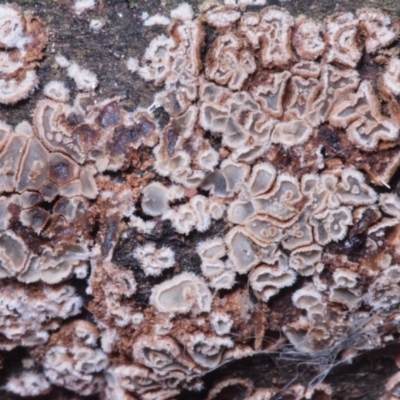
261,215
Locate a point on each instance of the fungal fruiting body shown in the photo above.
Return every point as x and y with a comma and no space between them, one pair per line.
271,176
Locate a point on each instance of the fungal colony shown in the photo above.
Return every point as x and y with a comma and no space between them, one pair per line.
266,206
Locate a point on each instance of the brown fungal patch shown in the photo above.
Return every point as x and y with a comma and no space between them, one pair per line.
87,135
62,169
123,138
110,115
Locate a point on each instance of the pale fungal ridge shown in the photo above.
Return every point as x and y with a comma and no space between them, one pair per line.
247,388
84,79
56,90
198,213
157,20
152,260
364,128
391,77
82,6
22,40
257,194
28,383
28,313
208,351
221,323
267,281
12,27
183,293
77,364
219,272
118,289
132,64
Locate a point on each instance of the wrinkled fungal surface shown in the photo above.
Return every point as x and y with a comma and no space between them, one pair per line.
259,217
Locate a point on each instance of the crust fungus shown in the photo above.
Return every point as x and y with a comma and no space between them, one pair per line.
275,38
219,272
291,133
164,356
240,251
126,380
22,41
331,225
384,292
391,78
347,297
56,90
280,202
221,16
304,259
183,293
363,119
28,383
154,261
12,28
242,386
155,199
211,250
342,41
307,39
258,189
353,191
84,79
54,267
228,64
221,323
390,204
270,93
262,177
267,281
29,312
307,298
76,364
380,30
208,351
